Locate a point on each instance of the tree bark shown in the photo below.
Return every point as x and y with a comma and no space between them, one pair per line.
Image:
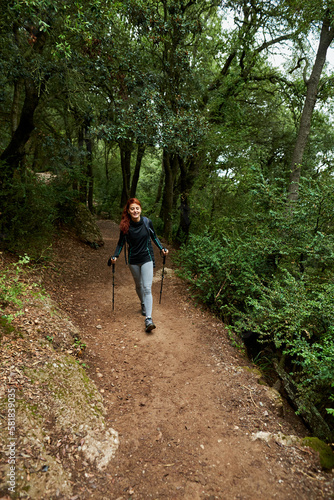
135,177
188,171
15,111
89,166
125,149
170,164
14,152
81,185
326,37
107,149
160,186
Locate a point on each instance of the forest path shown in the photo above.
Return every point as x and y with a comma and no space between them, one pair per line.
184,408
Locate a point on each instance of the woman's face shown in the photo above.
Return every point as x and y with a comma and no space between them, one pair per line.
134,212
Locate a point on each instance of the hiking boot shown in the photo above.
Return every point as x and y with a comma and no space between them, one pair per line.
143,310
149,325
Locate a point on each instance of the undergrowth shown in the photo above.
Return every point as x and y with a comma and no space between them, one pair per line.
269,273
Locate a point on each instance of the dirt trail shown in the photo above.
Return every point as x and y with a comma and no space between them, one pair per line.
184,408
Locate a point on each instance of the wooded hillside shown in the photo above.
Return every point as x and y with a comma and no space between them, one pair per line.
191,107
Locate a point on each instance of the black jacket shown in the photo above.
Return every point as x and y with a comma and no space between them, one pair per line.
139,242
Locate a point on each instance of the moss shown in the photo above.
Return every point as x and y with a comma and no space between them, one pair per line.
253,370
72,391
325,453
32,409
98,411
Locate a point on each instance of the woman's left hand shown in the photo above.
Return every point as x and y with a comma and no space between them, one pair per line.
164,251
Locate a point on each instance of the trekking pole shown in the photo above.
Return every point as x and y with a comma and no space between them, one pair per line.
162,275
113,286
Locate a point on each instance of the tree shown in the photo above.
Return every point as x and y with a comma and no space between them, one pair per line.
171,31
44,45
23,127
312,88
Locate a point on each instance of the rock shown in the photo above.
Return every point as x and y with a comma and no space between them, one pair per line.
280,438
86,227
168,273
100,446
254,371
307,411
276,400
326,455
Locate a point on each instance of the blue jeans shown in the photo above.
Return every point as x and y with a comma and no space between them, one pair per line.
143,276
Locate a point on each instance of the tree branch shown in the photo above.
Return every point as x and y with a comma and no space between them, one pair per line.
269,43
298,65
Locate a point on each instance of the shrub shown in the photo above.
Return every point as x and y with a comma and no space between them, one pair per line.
12,288
269,272
28,214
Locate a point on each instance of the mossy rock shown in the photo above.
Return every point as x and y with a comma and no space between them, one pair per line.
326,454
86,228
253,370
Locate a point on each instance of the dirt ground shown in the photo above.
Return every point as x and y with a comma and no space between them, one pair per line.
185,402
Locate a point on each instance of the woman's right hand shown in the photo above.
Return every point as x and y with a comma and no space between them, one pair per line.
112,260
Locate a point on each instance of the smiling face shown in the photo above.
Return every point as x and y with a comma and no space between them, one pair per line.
134,212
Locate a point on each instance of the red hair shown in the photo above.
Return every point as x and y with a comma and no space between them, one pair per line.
125,219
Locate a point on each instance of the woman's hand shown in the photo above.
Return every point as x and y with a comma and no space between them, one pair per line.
164,251
112,260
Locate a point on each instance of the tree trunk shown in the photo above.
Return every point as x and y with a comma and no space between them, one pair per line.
15,111
14,152
326,37
89,166
160,186
125,149
107,149
135,177
82,187
188,175
170,164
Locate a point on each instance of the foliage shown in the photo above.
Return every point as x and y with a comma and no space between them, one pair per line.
29,212
149,181
270,274
32,210
12,288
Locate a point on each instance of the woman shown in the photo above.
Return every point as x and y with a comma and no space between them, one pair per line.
138,231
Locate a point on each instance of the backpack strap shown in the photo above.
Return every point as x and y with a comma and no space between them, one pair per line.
126,261
146,222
